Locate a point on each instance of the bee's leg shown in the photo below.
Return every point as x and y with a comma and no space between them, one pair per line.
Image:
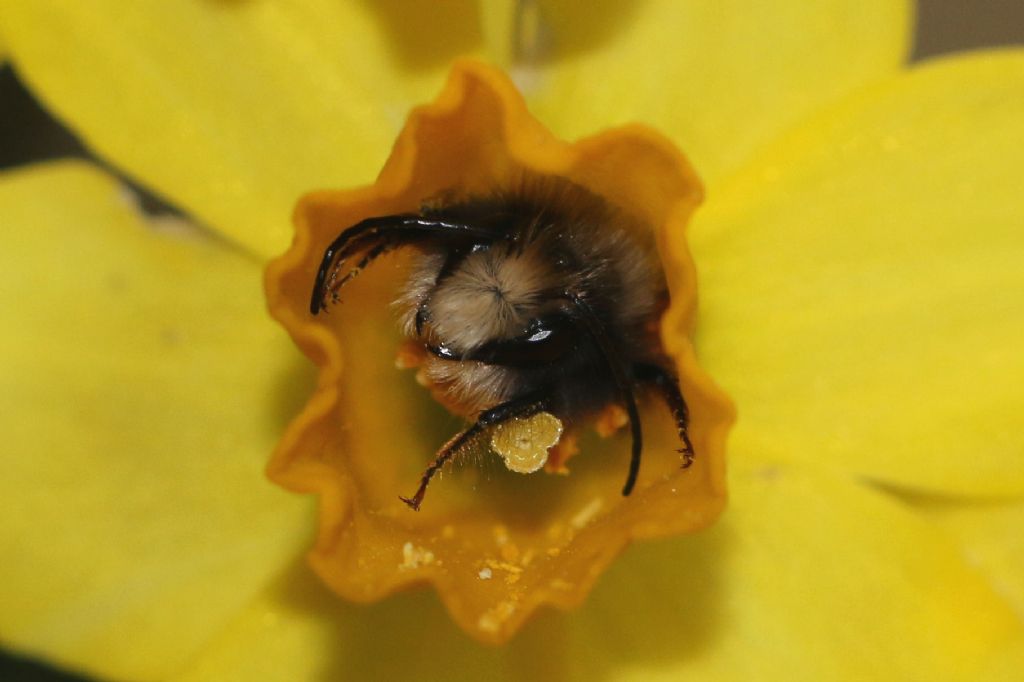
591,323
396,229
668,385
637,442
523,406
334,284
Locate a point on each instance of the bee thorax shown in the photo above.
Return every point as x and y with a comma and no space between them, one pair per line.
491,296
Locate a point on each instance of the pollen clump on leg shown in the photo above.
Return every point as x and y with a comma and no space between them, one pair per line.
524,441
369,430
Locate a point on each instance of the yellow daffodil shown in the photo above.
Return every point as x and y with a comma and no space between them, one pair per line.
858,260
547,542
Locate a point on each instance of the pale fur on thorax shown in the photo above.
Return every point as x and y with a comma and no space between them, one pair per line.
472,386
492,295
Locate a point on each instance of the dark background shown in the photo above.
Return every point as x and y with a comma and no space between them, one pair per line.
28,133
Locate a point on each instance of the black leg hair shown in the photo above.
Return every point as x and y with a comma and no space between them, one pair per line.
401,229
582,311
668,385
522,406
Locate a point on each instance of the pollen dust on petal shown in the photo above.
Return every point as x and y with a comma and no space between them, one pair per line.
493,618
588,513
511,563
413,557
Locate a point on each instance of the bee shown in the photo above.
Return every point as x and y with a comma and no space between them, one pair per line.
541,297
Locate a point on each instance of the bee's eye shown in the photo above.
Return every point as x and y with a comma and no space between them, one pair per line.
546,340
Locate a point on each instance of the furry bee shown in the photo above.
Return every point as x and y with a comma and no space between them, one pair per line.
538,298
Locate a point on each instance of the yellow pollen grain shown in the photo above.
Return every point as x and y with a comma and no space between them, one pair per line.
610,420
512,572
500,533
413,557
492,619
524,442
587,514
503,566
408,358
509,552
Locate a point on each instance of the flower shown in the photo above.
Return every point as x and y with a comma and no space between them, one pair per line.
855,253
548,544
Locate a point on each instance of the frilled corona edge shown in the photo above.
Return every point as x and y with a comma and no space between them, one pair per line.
496,545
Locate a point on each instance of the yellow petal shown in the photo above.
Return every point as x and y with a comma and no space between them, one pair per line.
861,283
722,78
299,630
1006,666
142,389
991,536
234,109
806,578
